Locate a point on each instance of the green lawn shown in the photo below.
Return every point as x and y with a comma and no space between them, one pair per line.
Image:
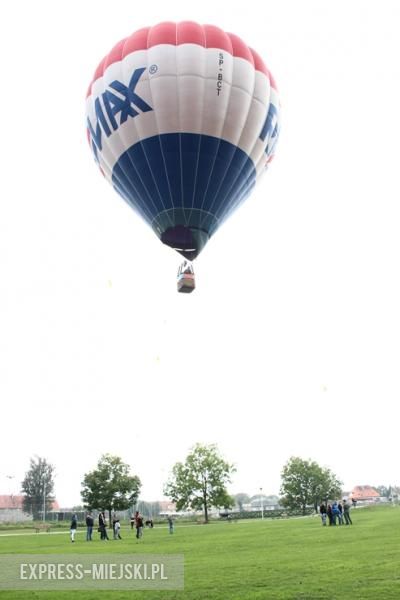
252,560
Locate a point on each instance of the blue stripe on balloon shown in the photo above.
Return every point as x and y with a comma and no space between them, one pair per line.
198,174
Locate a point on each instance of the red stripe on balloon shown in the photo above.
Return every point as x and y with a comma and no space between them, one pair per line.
217,38
240,49
189,32
259,65
137,41
163,33
186,32
115,55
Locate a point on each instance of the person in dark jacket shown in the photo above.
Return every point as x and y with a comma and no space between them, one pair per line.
346,513
138,524
89,526
340,515
329,513
103,526
74,525
114,519
170,524
322,512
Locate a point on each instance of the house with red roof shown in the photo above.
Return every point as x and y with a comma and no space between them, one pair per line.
364,492
11,509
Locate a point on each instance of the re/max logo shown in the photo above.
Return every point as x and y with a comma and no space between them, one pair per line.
124,105
270,128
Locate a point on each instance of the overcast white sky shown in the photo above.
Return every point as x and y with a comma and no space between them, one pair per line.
291,343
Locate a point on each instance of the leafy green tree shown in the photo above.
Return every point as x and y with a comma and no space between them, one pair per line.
326,486
200,482
305,483
229,502
110,486
38,487
241,499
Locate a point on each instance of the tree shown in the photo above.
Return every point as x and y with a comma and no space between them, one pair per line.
305,483
110,486
241,499
200,481
38,487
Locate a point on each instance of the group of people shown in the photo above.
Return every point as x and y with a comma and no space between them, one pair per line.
136,523
336,513
102,528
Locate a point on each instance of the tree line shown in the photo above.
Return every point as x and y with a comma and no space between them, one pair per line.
198,483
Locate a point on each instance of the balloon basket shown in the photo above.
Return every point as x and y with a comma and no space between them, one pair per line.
186,281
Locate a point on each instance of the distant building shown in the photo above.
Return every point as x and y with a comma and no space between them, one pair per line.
262,503
11,510
364,492
167,507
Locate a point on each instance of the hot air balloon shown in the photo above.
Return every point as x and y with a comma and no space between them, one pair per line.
183,120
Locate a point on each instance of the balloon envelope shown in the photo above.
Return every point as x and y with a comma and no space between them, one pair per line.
183,119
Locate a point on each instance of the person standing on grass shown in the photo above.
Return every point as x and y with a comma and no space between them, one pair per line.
346,513
322,512
335,513
138,524
103,526
114,519
340,515
170,524
117,529
330,515
74,525
89,526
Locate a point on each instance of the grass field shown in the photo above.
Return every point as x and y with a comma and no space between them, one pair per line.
289,559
